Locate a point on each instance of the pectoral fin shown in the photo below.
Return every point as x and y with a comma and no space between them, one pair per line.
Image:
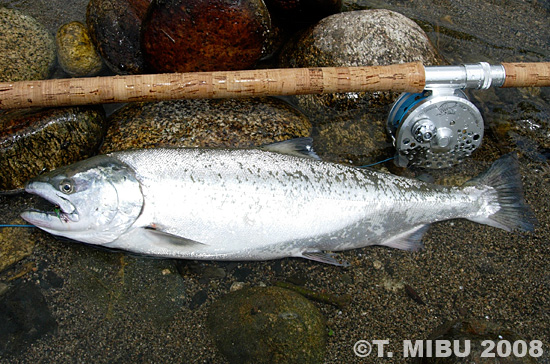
155,234
324,257
407,240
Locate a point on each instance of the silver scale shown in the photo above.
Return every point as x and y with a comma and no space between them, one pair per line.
439,127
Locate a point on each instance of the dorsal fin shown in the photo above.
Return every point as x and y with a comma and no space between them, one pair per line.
298,147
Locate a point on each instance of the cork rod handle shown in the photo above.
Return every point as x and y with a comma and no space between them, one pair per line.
527,74
224,84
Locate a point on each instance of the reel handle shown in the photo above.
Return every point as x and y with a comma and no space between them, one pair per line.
407,77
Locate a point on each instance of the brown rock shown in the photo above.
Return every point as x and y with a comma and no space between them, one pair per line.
115,29
205,35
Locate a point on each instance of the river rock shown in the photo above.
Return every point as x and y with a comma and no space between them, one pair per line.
267,325
32,141
204,123
205,35
115,28
27,50
76,52
351,126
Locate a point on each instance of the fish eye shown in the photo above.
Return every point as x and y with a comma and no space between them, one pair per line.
66,186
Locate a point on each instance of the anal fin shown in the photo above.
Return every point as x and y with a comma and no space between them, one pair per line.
407,240
324,257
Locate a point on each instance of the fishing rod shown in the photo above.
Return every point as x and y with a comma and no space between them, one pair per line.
432,123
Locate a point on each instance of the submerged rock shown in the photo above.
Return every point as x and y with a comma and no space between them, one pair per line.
76,53
25,318
204,123
267,325
115,28
205,35
27,50
16,243
35,140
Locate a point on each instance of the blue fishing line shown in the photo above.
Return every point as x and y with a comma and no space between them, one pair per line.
7,226
373,164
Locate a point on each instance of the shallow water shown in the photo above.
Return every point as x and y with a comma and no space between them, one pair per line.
89,305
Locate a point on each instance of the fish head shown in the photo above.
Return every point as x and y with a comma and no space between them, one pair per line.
96,200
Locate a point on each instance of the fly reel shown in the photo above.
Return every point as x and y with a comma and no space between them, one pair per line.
434,129
439,127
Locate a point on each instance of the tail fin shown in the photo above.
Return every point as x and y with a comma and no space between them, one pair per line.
504,177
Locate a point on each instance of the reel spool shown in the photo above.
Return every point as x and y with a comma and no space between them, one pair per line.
435,129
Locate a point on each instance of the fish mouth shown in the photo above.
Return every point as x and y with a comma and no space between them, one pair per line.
57,214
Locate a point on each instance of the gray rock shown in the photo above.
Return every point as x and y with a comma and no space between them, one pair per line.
76,53
346,122
34,140
204,123
267,325
27,50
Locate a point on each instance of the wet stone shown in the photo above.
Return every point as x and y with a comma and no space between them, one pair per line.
35,140
267,325
76,53
204,123
25,318
115,28
27,50
205,35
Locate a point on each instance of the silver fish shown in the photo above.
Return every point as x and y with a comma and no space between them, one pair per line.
260,204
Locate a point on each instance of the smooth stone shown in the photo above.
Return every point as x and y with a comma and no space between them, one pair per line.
27,50
204,123
115,28
351,127
267,325
76,52
205,35
35,140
